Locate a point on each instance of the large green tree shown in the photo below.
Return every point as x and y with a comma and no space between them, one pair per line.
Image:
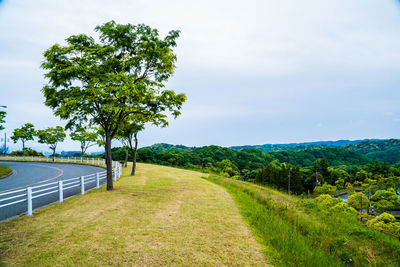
87,139
51,136
25,133
104,82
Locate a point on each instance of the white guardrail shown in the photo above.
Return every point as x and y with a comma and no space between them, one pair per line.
15,202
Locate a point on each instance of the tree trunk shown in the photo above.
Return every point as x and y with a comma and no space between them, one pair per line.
23,150
126,157
134,155
110,185
54,153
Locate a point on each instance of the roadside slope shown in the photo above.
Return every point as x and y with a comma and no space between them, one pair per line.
161,216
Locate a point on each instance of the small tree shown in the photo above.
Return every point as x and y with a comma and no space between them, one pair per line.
25,133
51,136
325,189
358,201
87,139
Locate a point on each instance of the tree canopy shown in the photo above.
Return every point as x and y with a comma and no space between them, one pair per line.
25,133
51,136
86,139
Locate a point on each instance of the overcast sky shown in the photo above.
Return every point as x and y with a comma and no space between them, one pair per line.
254,72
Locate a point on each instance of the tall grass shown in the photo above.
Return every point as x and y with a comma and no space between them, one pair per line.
303,234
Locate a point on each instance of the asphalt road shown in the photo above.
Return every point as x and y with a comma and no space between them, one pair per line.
35,173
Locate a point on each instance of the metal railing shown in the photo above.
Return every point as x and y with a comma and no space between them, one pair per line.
82,160
25,200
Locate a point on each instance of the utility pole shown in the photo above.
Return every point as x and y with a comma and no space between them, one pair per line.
5,143
5,136
289,183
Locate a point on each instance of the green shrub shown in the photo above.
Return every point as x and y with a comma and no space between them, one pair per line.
28,152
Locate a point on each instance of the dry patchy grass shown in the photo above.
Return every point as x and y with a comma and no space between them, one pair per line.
161,216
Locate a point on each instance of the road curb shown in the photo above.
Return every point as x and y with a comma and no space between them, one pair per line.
5,176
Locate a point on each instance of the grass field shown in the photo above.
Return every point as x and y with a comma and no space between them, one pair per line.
161,216
300,233
4,170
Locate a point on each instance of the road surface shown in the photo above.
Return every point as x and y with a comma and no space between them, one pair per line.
36,173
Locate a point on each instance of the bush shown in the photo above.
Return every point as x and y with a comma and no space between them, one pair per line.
327,201
28,152
325,189
385,222
358,201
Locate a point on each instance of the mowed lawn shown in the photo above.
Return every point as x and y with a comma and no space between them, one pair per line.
160,216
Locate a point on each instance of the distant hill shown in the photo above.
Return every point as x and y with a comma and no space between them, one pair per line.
302,146
375,149
168,147
384,150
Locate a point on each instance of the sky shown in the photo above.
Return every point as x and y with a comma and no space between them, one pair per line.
254,72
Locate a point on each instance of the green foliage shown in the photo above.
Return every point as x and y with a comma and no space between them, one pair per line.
302,235
385,222
25,133
362,175
120,75
385,200
333,156
86,139
28,152
51,136
327,201
383,150
2,119
325,189
339,183
358,201
104,82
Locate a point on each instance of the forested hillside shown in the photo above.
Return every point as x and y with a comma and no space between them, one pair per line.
385,150
301,146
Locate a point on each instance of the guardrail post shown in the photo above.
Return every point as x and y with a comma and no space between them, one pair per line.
29,201
82,185
114,175
15,157
97,180
60,191
47,158
32,158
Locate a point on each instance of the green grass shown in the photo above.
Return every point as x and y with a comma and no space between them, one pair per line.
300,233
4,170
161,216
